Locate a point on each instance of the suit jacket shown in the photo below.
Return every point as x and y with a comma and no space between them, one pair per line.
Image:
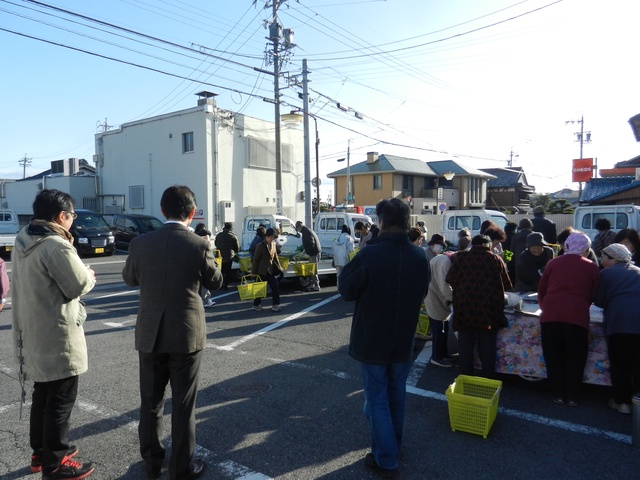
170,265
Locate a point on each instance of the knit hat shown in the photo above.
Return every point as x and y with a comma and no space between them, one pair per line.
577,243
618,252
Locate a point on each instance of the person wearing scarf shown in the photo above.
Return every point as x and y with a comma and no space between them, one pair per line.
48,280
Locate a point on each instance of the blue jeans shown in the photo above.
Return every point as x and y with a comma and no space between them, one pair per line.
384,405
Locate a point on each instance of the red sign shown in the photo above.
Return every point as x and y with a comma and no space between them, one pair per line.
582,169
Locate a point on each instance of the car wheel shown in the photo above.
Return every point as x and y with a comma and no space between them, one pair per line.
303,282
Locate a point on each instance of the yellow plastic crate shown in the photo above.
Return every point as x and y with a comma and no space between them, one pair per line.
284,262
423,324
218,256
304,269
252,287
473,404
245,264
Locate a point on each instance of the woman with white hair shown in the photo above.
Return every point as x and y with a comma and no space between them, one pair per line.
566,291
619,296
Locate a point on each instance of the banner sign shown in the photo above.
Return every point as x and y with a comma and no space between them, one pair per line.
582,169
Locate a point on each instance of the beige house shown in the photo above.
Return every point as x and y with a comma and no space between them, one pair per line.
428,187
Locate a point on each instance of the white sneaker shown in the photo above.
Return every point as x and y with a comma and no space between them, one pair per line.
621,407
276,308
257,308
209,303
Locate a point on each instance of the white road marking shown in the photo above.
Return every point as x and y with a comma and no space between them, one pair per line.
273,326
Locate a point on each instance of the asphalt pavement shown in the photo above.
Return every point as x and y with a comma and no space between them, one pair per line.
280,398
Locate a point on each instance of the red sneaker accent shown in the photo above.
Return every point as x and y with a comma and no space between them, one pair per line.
36,463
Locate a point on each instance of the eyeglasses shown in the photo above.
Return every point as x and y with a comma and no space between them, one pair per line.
74,215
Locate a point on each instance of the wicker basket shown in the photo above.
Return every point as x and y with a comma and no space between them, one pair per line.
252,287
473,404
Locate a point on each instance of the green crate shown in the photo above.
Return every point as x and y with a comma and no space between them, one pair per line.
473,404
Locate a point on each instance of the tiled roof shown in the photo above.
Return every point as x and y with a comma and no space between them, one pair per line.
634,162
599,188
392,163
505,177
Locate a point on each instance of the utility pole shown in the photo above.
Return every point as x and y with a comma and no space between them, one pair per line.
580,137
511,155
278,56
24,161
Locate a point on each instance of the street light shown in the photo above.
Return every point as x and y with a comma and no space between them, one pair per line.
293,119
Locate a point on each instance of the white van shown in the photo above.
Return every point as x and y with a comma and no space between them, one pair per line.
455,220
9,222
328,225
289,238
620,216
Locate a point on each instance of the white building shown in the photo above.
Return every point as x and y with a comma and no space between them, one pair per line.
226,158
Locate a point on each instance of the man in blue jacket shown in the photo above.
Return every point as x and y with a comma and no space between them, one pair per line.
388,280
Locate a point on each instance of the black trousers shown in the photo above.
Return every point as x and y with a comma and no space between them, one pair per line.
565,347
181,371
51,407
485,340
624,357
226,273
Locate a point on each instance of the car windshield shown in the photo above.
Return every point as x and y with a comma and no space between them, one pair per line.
150,224
90,221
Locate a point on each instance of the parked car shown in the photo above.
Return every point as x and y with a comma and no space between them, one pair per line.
92,234
126,227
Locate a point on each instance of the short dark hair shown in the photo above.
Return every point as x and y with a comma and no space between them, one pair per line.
346,229
261,231
50,202
631,235
359,226
525,223
271,232
393,212
495,233
480,240
414,233
602,224
564,234
177,202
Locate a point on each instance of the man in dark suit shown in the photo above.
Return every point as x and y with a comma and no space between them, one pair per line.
170,265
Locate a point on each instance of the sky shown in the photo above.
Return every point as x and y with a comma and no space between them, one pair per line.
479,82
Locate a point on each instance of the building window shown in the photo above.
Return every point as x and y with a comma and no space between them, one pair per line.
136,196
377,182
475,190
262,154
407,186
187,142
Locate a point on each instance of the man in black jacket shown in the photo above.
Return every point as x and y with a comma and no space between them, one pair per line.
543,225
388,281
227,242
312,247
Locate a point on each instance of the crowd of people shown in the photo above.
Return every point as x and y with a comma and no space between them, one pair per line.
468,289
462,291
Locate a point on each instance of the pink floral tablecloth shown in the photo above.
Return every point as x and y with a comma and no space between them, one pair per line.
520,351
